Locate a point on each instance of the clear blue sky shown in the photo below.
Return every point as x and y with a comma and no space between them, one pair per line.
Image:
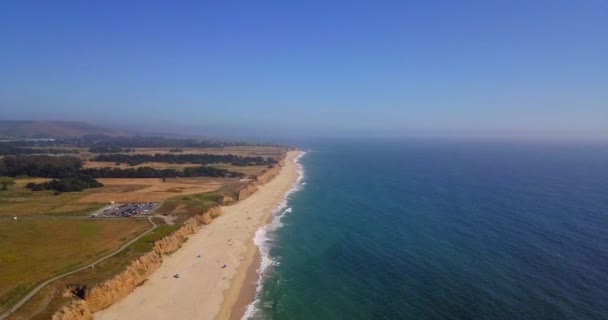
534,68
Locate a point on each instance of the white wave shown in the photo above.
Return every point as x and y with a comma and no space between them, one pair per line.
263,235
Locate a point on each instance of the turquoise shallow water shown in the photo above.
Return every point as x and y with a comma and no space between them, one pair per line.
435,230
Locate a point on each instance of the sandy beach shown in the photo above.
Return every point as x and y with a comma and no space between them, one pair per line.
215,265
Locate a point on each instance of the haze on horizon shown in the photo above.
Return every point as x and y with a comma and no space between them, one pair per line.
533,69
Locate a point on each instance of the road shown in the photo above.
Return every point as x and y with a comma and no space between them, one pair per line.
44,284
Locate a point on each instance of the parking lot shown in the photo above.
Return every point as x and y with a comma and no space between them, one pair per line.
126,210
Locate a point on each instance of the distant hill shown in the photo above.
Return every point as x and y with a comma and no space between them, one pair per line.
51,129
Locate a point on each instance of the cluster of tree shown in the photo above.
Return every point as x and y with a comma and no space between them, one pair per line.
69,167
68,184
34,143
40,166
147,172
7,148
69,175
185,158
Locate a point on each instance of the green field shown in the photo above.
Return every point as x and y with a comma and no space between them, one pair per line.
20,201
34,250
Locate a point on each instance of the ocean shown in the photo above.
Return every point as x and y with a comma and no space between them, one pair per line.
440,230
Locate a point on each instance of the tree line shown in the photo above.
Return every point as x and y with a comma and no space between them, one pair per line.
44,166
69,175
108,149
69,184
148,172
11,149
173,158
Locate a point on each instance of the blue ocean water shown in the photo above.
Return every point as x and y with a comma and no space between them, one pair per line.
442,230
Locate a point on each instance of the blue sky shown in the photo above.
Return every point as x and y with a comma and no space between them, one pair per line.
364,68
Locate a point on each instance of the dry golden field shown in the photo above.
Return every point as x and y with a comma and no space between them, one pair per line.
155,165
150,189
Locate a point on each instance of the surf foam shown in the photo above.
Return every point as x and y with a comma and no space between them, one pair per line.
263,235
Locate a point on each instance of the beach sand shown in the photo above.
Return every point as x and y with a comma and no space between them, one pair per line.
205,289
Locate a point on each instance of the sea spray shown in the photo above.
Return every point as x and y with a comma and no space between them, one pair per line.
263,236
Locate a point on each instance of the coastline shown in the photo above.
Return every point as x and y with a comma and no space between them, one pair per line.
243,288
213,265
251,275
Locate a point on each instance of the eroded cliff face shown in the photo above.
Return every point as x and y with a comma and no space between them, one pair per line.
251,187
105,294
268,174
75,310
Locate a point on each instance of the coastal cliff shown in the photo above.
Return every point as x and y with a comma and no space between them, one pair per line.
252,186
109,292
75,310
106,293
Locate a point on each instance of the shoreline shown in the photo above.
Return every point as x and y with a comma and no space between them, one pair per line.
205,277
243,288
249,290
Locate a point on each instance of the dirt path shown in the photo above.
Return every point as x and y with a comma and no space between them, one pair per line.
44,284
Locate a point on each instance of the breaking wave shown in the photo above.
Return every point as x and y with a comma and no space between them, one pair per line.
263,236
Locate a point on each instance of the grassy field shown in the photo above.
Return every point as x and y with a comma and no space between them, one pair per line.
45,303
186,206
34,250
20,201
248,170
150,189
155,165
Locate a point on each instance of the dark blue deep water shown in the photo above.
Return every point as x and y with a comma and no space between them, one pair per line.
437,230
